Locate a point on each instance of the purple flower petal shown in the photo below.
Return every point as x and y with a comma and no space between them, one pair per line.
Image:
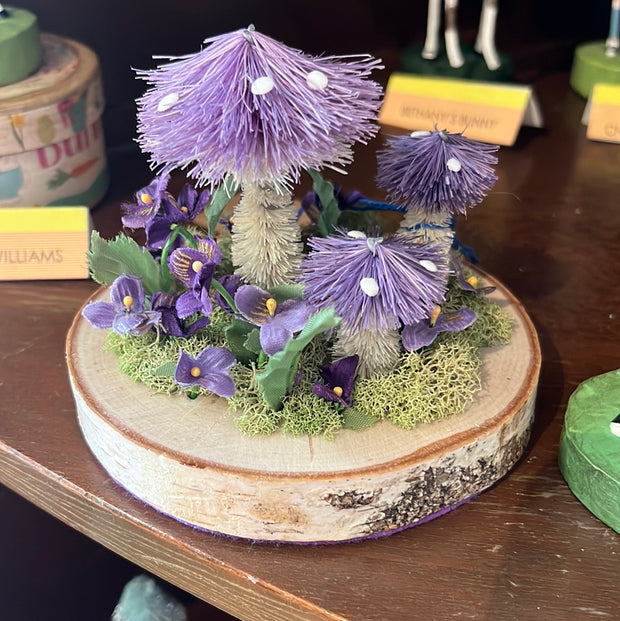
230,282
327,393
292,315
456,320
418,335
136,324
127,287
188,304
208,369
274,337
251,302
187,264
100,314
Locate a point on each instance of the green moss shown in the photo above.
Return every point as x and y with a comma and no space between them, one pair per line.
427,385
493,325
305,413
253,414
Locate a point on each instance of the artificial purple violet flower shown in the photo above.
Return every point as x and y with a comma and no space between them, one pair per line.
436,171
148,203
339,378
209,370
125,312
194,267
171,323
188,205
277,322
374,282
425,332
251,106
470,283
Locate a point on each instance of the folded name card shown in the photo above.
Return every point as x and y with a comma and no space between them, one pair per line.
484,111
602,113
44,243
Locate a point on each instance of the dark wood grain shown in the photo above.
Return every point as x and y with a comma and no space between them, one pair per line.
525,549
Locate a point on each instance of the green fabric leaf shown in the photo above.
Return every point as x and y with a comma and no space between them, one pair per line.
356,420
219,200
237,334
167,369
330,213
107,260
252,342
275,381
287,292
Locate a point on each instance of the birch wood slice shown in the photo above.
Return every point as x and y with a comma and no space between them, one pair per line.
187,459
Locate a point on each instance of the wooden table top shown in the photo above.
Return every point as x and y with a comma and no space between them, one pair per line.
525,549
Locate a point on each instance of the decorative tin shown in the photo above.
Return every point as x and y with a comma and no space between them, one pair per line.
52,149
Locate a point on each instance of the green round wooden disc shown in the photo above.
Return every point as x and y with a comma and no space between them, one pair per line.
591,66
589,454
474,68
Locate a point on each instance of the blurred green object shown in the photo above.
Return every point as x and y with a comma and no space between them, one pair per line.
143,600
589,453
475,67
591,66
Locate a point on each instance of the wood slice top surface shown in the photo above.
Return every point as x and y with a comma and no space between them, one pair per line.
202,432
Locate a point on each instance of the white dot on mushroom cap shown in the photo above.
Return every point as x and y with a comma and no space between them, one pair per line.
453,164
316,80
428,265
369,286
421,133
166,102
356,234
262,85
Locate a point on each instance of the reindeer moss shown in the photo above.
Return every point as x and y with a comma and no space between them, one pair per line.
427,385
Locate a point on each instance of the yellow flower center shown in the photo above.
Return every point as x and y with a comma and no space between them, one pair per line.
146,198
271,305
435,314
184,209
197,266
473,281
128,302
337,391
195,371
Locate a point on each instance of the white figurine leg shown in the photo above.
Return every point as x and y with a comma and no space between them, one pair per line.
612,44
431,43
485,41
453,45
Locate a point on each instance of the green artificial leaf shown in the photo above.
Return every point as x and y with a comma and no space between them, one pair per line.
275,381
330,213
219,200
167,369
109,259
287,292
237,334
356,420
252,342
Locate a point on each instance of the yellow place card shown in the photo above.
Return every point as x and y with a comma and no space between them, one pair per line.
44,243
483,111
602,113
